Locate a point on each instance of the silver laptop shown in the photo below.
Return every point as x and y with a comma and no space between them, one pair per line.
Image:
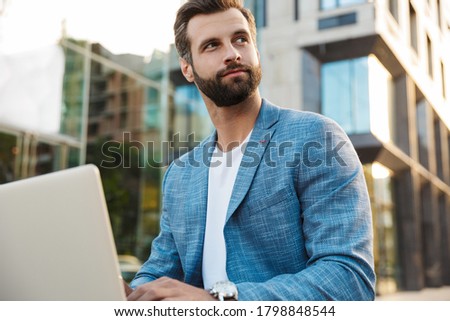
56,241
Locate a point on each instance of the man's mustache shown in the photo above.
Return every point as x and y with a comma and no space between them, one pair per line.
232,67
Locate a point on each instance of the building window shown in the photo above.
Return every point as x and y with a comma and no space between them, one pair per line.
448,149
259,10
93,129
124,99
393,8
422,131
438,147
345,94
152,109
122,119
296,10
358,94
337,21
400,120
430,56
9,151
332,4
444,84
439,18
413,28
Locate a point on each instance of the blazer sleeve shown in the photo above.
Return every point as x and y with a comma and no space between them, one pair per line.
337,226
164,259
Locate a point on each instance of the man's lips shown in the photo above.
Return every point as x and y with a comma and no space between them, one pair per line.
234,71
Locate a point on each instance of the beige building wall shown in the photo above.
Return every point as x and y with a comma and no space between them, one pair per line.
283,40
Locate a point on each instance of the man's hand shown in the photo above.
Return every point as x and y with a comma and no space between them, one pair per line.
167,289
127,288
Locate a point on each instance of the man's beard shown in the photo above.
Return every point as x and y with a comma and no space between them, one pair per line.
232,91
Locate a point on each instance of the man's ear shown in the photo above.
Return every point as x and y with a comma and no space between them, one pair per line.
186,69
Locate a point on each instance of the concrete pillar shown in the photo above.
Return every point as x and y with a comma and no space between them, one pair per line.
444,216
407,194
431,236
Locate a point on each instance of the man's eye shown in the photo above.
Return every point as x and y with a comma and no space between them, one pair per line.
241,40
211,45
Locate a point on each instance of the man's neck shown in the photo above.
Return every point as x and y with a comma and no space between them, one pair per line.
234,123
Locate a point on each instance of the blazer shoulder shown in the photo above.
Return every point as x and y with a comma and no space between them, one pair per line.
306,121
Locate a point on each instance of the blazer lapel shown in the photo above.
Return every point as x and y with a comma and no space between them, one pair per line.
254,154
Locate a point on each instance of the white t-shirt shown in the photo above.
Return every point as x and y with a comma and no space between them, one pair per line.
222,175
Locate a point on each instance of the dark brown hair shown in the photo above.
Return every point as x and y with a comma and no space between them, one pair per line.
195,7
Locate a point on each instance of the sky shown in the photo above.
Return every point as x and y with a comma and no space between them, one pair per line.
122,26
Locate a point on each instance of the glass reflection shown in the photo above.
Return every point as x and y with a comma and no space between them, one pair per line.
8,153
380,187
332,4
345,94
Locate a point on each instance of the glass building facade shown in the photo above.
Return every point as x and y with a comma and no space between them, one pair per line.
140,116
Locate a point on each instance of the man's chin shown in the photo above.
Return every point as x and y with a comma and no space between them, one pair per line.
231,102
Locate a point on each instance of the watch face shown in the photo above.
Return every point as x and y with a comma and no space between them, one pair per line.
225,289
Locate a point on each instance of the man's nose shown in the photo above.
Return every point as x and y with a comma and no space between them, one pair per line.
232,54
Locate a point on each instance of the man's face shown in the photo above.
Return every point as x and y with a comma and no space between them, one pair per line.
225,62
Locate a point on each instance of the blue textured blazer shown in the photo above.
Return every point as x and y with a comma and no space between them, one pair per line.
298,225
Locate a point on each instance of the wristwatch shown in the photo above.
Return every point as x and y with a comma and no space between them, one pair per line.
224,291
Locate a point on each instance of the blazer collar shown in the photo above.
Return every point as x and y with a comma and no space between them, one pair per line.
267,117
